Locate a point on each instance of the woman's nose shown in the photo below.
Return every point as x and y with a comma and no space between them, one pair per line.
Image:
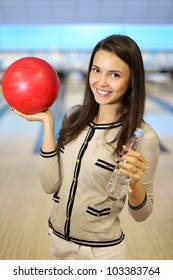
103,80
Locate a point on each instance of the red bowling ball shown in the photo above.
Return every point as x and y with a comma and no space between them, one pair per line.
30,85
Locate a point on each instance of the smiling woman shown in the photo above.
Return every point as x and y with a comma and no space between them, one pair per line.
85,220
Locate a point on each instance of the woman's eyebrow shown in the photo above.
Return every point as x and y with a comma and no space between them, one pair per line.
115,71
110,71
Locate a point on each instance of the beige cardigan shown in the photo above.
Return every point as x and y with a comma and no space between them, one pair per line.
82,210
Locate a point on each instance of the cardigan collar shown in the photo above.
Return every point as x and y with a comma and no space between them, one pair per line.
105,125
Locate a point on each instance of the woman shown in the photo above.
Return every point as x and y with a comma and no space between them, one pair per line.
84,223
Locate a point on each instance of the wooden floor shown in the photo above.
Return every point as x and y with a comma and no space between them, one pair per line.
24,207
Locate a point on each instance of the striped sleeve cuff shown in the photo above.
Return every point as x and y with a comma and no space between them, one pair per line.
48,154
139,206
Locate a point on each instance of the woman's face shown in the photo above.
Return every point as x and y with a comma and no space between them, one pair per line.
109,78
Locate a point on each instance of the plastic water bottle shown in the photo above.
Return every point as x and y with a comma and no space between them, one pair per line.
118,183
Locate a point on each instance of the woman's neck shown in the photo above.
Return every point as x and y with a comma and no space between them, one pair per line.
106,114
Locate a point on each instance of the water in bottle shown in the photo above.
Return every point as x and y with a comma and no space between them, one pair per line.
118,183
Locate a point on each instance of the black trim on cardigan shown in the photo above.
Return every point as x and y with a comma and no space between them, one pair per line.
62,149
105,125
48,154
98,213
73,187
88,242
139,206
105,165
56,198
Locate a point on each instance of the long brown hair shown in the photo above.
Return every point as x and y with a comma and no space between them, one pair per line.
132,107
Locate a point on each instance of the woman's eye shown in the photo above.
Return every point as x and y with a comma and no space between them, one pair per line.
115,75
95,70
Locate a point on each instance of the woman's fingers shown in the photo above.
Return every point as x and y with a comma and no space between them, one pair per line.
133,164
34,117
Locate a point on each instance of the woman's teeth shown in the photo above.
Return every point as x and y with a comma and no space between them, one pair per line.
103,92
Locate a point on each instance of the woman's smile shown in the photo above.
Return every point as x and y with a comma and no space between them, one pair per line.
103,93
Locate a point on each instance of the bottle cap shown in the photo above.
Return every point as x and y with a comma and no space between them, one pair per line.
139,132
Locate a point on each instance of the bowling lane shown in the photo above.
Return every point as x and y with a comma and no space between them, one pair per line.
17,136
3,106
159,110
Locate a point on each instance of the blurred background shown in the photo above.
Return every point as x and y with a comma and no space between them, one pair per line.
64,33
